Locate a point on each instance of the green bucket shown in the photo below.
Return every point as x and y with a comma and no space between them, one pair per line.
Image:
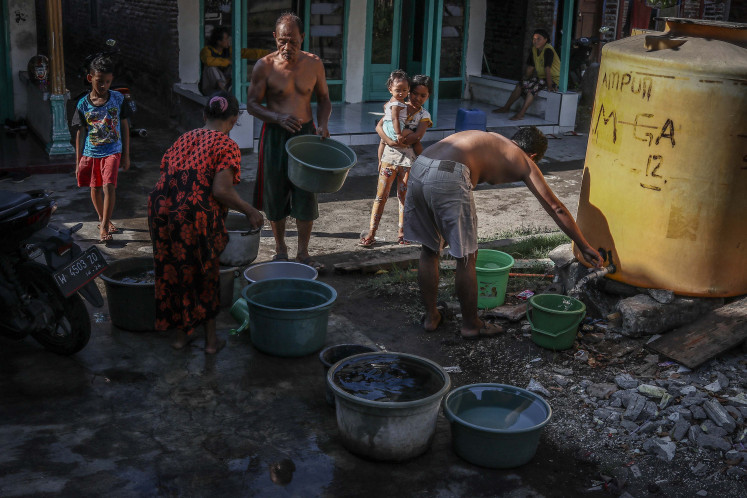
555,319
492,269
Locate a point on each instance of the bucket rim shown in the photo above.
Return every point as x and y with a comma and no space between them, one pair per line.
502,268
329,302
453,417
342,147
327,348
284,263
113,266
390,404
559,312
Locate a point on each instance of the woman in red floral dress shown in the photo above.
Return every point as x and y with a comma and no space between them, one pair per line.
186,217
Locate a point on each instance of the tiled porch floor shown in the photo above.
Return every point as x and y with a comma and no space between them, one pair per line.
354,124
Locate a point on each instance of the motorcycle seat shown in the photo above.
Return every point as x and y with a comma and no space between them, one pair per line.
9,199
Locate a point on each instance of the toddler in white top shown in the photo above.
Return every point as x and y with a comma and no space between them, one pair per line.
395,111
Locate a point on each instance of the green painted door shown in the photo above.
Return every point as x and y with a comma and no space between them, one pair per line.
6,80
413,14
382,46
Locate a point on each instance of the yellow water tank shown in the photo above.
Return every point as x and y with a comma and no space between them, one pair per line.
664,191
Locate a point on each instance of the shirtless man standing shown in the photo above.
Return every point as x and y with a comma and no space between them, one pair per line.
440,210
286,80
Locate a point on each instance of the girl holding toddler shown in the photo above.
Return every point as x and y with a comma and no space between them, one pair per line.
401,145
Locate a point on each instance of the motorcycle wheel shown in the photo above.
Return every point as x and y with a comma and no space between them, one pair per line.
72,328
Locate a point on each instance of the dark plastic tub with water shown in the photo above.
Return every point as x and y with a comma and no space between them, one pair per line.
332,354
131,293
387,403
496,425
288,316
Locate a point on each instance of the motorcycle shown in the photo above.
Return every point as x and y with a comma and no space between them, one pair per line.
580,58
111,50
44,275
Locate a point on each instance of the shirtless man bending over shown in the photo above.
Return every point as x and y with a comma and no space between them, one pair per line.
285,80
440,210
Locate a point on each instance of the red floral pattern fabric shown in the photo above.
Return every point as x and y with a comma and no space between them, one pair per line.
187,228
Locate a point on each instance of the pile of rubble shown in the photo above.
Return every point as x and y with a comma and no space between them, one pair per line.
614,398
660,416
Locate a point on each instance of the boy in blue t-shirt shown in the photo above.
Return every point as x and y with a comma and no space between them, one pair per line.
103,113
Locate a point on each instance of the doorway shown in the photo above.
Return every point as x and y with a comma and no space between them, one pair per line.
395,30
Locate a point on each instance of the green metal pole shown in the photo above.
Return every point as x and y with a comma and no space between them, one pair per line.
565,50
237,43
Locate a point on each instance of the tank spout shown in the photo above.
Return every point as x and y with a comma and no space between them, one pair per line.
593,276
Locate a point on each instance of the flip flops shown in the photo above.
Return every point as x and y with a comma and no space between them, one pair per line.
401,241
280,257
367,242
106,238
112,228
487,330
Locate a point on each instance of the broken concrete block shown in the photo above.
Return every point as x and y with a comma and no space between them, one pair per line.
719,415
652,391
562,255
643,315
661,448
635,407
662,296
601,391
709,442
626,381
680,429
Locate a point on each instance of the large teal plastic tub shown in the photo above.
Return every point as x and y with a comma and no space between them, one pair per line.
288,316
317,165
496,425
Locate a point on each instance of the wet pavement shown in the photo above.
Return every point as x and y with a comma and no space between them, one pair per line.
129,416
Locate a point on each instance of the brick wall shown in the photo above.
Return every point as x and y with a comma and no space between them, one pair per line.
505,32
146,33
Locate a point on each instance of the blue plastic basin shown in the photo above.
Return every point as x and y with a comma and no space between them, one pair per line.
288,316
495,425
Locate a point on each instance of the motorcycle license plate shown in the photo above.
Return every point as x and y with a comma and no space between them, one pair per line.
80,271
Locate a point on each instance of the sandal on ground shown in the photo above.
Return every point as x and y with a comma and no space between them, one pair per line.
106,238
112,228
367,242
310,262
280,257
401,241
487,330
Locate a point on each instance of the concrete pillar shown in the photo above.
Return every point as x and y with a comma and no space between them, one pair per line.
60,139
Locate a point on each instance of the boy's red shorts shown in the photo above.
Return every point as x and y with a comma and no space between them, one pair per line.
98,171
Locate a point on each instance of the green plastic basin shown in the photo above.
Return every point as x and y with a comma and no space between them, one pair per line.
495,425
317,165
288,316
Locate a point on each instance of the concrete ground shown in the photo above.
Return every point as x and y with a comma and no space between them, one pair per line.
129,416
